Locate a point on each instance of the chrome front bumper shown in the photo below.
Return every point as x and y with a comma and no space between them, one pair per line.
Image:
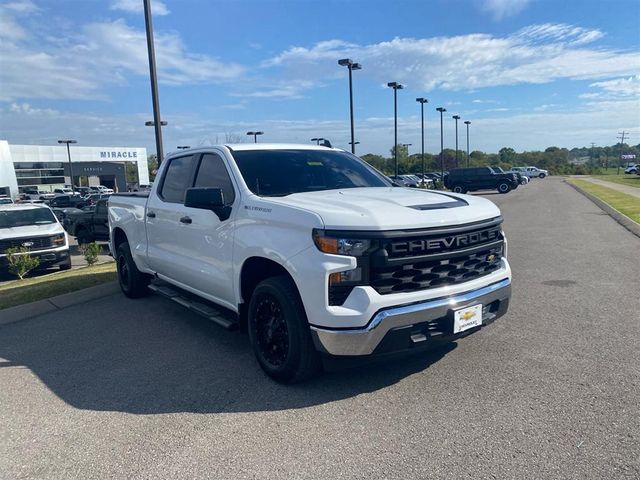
429,316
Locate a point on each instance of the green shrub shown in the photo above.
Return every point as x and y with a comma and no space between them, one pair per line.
90,252
21,262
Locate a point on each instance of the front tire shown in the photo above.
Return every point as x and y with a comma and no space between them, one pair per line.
459,189
133,282
504,187
279,332
542,175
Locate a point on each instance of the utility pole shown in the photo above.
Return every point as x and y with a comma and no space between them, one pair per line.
154,79
621,137
593,145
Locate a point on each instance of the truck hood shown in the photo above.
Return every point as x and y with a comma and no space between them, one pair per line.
391,208
31,231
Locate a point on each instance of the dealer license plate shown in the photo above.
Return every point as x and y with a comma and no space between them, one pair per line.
467,318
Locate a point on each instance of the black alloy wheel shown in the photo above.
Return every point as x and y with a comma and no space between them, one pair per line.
279,331
133,282
272,333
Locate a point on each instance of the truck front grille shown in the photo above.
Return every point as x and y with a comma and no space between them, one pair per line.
32,243
436,259
421,275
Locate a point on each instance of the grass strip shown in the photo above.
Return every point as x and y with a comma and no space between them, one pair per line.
629,180
47,286
627,205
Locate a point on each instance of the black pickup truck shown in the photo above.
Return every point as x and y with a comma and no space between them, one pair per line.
91,225
463,180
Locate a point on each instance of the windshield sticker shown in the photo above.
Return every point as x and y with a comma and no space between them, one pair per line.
315,164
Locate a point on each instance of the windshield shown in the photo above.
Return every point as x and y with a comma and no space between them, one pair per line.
283,172
20,218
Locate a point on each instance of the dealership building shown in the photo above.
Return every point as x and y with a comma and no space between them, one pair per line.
46,167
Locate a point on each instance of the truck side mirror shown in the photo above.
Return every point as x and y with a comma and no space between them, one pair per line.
208,199
205,198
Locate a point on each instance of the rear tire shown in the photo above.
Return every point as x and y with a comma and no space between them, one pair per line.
459,189
504,187
133,282
279,332
542,175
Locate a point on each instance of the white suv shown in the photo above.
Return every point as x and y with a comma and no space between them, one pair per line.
36,228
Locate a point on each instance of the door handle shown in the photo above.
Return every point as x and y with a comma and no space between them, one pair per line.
186,220
151,215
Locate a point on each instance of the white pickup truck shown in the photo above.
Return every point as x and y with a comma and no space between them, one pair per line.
313,252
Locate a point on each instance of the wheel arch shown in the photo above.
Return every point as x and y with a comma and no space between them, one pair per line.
254,270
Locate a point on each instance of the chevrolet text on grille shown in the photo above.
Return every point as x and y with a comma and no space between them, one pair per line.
450,241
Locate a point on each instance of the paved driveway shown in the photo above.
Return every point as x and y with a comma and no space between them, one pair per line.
143,389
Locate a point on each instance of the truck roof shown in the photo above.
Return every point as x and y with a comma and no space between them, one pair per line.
263,146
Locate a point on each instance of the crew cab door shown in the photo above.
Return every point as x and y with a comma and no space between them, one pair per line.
195,250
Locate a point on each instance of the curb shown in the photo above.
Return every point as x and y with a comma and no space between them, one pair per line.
34,309
623,220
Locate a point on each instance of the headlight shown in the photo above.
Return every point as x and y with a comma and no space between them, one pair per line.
59,239
351,247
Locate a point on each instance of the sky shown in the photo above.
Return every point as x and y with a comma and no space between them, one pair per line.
528,74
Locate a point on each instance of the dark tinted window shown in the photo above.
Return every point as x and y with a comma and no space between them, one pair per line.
282,172
176,179
213,173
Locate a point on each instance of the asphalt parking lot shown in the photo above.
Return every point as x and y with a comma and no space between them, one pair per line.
144,389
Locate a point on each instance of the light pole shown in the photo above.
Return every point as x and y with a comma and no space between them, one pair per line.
73,188
154,79
422,101
355,143
255,135
467,123
317,140
441,110
183,147
151,123
396,86
346,62
456,118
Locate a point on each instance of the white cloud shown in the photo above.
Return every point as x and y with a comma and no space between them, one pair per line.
80,66
21,6
500,9
135,6
624,87
537,54
544,107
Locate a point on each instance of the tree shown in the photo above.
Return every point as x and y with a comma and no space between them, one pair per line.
507,154
152,164
21,262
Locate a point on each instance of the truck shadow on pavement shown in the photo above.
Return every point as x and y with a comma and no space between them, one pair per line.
152,356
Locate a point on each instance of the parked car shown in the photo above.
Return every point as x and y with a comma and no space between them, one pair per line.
66,215
101,189
463,180
66,201
522,179
310,250
66,191
631,169
90,225
5,200
34,227
533,172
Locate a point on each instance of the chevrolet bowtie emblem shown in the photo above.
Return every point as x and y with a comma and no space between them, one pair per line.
468,315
